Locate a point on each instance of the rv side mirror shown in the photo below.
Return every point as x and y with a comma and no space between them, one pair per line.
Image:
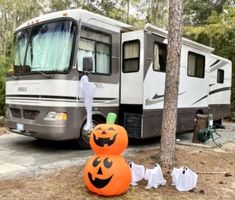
88,64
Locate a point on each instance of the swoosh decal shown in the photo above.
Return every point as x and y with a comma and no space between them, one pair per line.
157,99
200,99
219,90
149,102
212,92
156,96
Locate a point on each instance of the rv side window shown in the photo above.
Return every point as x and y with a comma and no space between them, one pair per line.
97,46
196,65
159,60
220,76
131,56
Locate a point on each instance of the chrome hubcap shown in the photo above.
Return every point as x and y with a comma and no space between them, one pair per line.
87,133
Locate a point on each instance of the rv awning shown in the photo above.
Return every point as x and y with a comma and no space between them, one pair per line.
161,32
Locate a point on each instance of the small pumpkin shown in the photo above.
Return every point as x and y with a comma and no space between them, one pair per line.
107,175
108,139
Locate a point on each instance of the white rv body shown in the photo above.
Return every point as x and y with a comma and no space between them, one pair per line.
153,83
32,97
67,88
220,85
143,90
136,94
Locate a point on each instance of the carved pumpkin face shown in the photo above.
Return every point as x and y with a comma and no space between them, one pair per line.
108,139
107,175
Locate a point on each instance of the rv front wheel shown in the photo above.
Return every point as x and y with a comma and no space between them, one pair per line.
83,140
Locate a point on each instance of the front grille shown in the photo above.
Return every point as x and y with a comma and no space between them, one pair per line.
132,123
30,114
15,112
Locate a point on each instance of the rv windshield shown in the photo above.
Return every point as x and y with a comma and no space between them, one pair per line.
45,47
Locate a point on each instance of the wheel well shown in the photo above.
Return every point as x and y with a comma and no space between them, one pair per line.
99,117
96,116
200,111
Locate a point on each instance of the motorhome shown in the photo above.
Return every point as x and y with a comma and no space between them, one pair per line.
43,94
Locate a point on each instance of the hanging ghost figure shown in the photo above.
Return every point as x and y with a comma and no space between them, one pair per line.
154,177
137,172
87,92
184,179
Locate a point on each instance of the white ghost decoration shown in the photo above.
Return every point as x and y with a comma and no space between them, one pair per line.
184,179
154,177
137,172
175,175
87,92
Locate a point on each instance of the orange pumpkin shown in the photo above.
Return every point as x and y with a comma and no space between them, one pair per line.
107,175
108,139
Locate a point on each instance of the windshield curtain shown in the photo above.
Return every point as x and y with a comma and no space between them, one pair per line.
21,41
97,46
47,48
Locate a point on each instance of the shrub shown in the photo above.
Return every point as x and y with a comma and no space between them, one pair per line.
4,65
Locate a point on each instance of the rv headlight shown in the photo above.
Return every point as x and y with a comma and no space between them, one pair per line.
56,116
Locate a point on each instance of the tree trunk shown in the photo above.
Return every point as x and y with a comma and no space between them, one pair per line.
14,17
5,30
169,120
128,11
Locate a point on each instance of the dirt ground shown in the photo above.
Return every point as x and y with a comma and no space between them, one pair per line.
3,130
215,167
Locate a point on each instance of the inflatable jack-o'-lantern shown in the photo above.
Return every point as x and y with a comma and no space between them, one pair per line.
108,139
107,175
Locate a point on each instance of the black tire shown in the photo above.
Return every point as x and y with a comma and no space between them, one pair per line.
84,137
218,124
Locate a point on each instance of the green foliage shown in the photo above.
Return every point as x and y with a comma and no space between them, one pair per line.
56,5
4,64
114,9
198,11
152,11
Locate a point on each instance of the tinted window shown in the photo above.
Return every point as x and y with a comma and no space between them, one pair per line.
98,47
131,56
220,76
159,60
196,65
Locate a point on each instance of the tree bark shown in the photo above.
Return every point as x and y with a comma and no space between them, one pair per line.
5,32
14,17
128,11
169,121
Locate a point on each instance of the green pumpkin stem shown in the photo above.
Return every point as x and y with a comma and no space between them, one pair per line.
111,118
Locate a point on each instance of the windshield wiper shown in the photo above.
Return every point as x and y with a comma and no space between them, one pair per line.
11,73
15,77
44,74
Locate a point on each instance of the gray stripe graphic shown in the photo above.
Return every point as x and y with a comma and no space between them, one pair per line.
213,92
157,99
216,62
218,66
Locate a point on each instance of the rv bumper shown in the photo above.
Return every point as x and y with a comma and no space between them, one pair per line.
41,131
35,121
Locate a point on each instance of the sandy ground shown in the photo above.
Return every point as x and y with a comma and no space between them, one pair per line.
3,130
215,167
